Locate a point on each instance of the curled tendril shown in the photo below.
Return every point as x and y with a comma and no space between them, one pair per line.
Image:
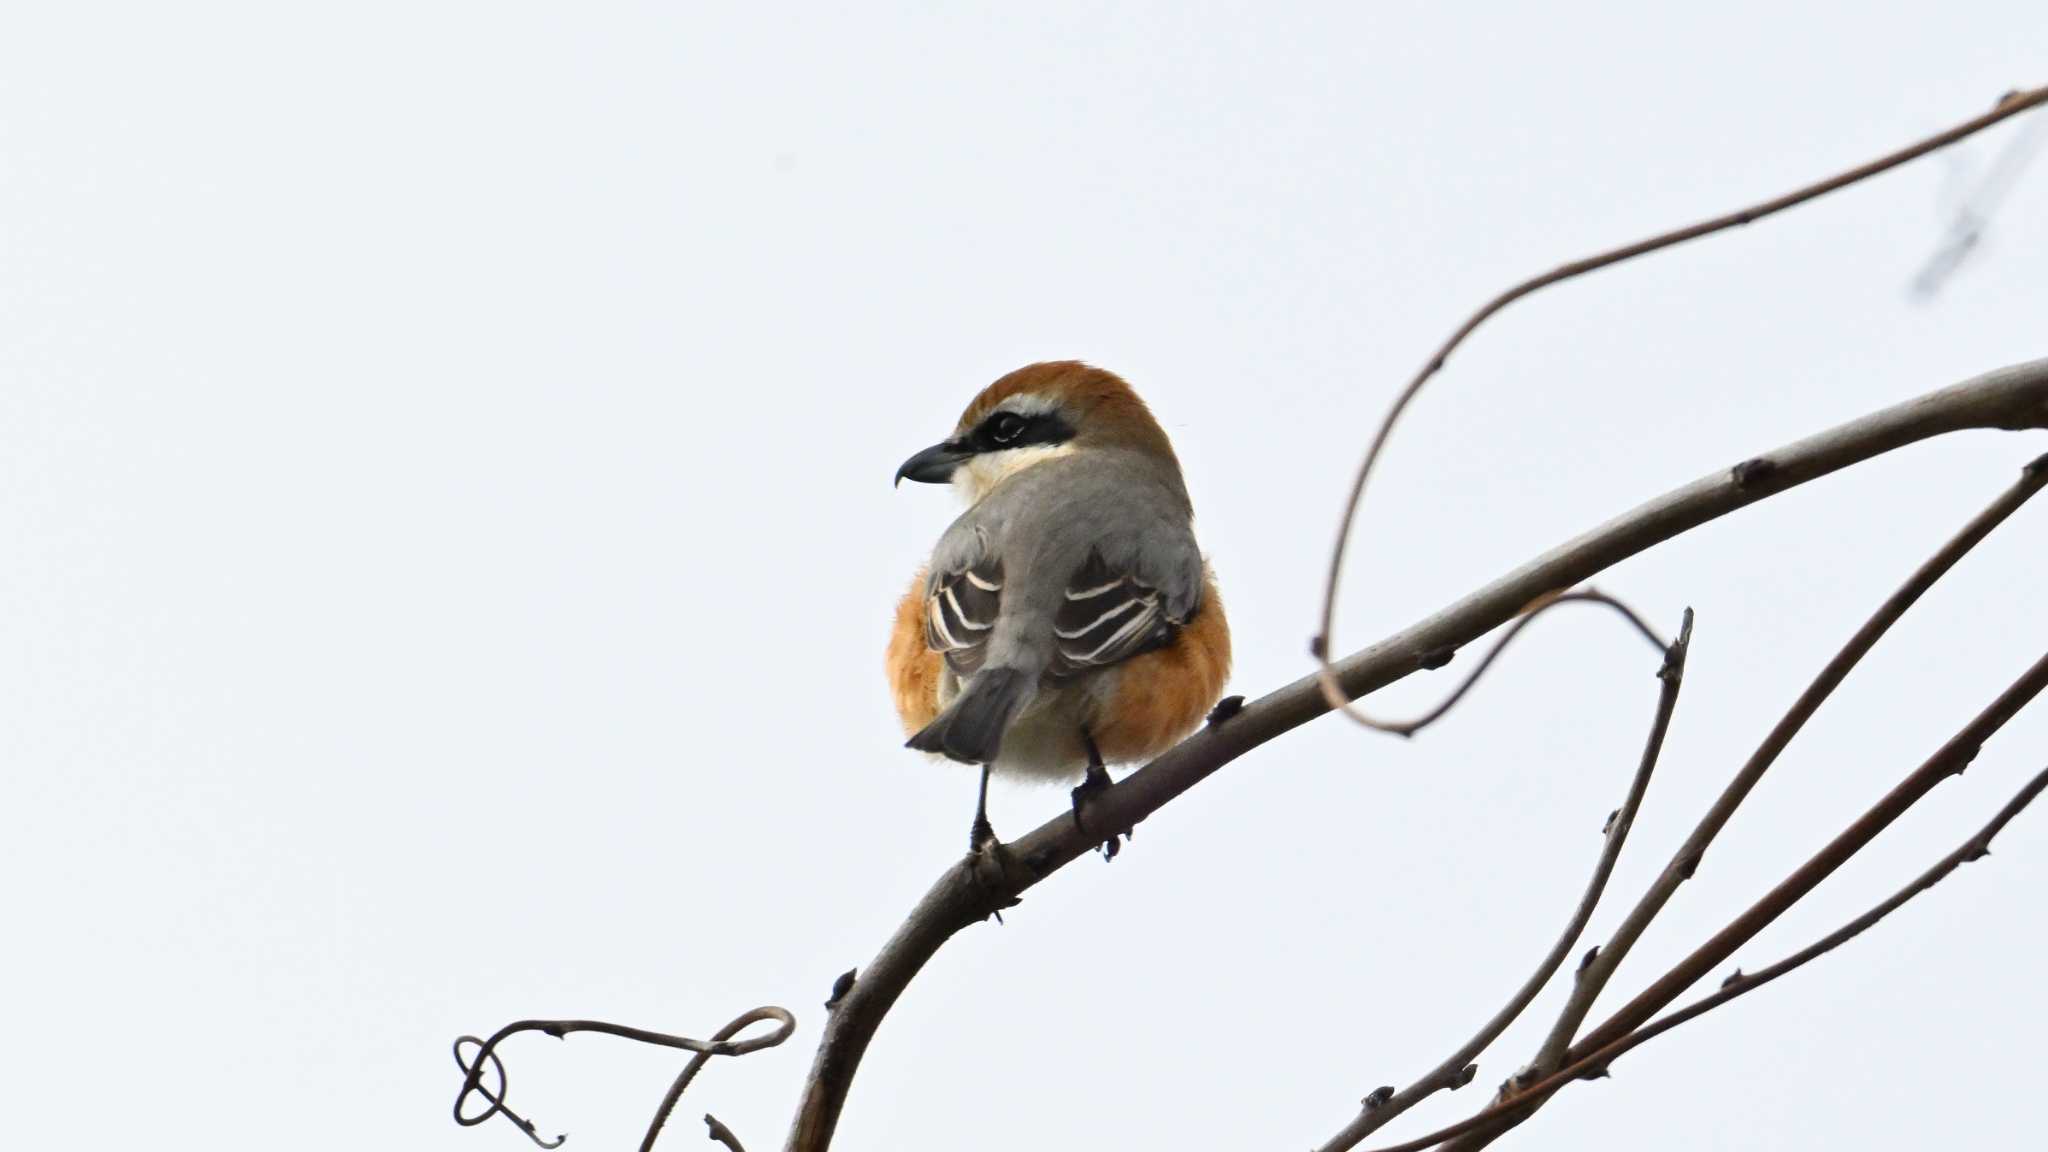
477,1058
1324,644
1528,615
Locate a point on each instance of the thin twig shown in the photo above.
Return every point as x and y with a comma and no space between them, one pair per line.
720,1044
1456,1069
2013,398
786,1025
1738,984
1542,604
1594,979
1949,761
722,1134
1689,854
2012,104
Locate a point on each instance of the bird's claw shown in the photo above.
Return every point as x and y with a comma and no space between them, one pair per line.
1094,784
988,865
980,835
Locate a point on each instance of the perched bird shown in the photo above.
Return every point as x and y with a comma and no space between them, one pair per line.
1067,619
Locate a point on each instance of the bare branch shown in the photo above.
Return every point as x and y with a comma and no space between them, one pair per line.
2012,398
722,1134
1543,604
1594,978
1334,693
1950,760
1694,849
1738,984
720,1044
1455,1070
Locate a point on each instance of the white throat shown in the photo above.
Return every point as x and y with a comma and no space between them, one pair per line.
976,477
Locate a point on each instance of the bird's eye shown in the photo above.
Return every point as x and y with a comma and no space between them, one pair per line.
1006,427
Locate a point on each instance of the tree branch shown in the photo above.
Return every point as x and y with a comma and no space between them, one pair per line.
1512,1111
721,1134
2010,398
1952,758
1543,604
720,1044
1456,1070
1594,978
1334,693
1693,850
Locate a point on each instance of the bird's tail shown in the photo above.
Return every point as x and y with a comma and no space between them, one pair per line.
971,728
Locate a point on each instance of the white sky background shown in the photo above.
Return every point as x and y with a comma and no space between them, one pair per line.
446,457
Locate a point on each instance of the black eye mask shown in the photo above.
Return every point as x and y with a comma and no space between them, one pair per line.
1004,430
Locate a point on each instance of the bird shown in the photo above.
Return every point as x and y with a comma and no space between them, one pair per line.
1067,619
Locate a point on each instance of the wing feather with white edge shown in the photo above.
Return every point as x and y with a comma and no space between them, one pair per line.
960,612
1108,615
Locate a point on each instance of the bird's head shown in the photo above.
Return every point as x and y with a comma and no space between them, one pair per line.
1034,414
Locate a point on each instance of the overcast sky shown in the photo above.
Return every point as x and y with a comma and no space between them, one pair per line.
449,545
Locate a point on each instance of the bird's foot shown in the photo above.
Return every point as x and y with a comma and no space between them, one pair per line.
988,865
1094,784
981,836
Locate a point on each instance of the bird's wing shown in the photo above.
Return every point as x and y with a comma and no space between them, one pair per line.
1114,609
1128,574
960,609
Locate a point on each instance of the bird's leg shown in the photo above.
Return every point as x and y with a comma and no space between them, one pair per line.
1096,781
982,834
987,858
1093,784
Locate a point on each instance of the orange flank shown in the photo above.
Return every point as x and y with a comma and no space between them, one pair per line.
914,668
1163,695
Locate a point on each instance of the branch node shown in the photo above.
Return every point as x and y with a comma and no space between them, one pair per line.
1462,1077
1609,825
1435,658
1319,647
1673,669
2036,466
1586,961
840,988
1963,757
1226,709
1733,978
1689,864
1977,853
1377,1097
1754,469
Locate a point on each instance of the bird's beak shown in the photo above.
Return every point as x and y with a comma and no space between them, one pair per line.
934,465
